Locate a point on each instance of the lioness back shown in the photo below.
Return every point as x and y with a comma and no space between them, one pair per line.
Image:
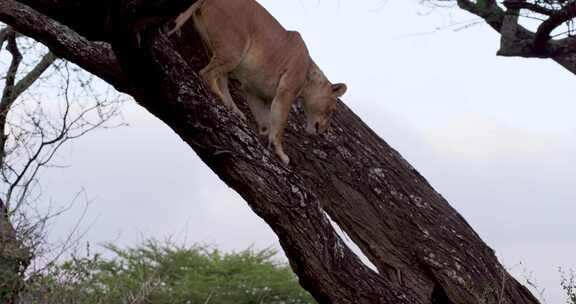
258,48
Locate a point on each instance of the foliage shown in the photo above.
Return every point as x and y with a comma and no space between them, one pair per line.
568,283
165,273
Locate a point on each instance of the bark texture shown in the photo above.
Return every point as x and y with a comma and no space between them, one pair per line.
424,251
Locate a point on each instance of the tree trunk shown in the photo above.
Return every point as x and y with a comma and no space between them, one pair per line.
14,259
424,251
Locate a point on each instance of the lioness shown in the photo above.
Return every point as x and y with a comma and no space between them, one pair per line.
272,64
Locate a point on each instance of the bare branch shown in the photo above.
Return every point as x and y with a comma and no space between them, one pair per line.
25,83
8,92
487,10
71,125
6,100
36,137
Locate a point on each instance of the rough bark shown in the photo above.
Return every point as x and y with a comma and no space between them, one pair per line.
424,251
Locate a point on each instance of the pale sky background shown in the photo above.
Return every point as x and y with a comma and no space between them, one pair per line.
496,136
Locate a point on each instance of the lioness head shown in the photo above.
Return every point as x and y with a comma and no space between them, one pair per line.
320,105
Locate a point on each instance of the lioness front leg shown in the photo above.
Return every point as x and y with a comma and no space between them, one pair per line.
278,119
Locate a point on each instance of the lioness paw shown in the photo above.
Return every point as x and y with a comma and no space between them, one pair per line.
285,159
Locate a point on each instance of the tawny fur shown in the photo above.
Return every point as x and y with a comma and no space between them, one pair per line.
272,64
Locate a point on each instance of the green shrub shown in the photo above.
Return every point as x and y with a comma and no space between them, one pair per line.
165,273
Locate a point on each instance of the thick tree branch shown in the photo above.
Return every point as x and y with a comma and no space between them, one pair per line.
277,194
515,39
517,5
6,100
556,19
487,10
8,91
95,57
520,42
95,19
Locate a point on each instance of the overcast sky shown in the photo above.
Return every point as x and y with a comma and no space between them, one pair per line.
496,136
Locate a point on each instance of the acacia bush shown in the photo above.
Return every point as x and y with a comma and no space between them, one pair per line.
156,272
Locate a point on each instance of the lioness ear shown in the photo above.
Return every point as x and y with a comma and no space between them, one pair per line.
339,89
